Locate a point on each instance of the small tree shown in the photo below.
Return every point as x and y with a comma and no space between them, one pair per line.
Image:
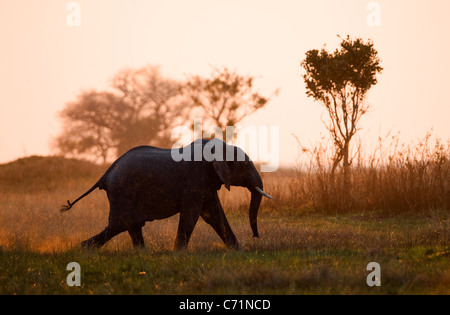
340,81
225,98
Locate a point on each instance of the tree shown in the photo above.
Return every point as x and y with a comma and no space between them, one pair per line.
156,106
225,98
340,81
141,110
90,124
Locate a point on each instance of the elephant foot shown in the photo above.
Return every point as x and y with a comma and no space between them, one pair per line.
236,247
90,244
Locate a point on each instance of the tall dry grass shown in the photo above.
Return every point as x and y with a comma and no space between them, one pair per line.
395,178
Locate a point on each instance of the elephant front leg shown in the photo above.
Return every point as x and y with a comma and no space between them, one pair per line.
215,216
188,219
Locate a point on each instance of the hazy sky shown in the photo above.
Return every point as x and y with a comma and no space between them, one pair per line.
44,62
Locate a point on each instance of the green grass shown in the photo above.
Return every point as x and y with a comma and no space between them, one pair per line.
328,255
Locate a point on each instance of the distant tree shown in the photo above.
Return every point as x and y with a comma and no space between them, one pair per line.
141,110
90,123
156,106
225,98
340,81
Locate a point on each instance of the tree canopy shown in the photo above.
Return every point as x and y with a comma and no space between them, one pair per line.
225,98
140,110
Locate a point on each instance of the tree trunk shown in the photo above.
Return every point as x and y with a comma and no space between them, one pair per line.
346,161
346,169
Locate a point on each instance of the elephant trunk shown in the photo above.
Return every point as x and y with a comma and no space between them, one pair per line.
253,211
255,186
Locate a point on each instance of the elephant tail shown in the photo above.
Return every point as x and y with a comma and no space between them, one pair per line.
101,184
69,205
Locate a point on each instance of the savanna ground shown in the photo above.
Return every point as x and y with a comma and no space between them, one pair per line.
311,242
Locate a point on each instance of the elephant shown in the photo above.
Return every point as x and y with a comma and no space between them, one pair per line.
149,183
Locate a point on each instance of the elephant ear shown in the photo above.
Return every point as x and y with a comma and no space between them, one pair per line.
223,171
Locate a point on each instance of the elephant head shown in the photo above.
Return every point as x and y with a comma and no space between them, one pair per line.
234,168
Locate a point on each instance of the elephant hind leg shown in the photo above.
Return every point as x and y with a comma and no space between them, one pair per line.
136,236
100,239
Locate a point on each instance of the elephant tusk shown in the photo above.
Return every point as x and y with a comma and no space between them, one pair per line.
263,193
